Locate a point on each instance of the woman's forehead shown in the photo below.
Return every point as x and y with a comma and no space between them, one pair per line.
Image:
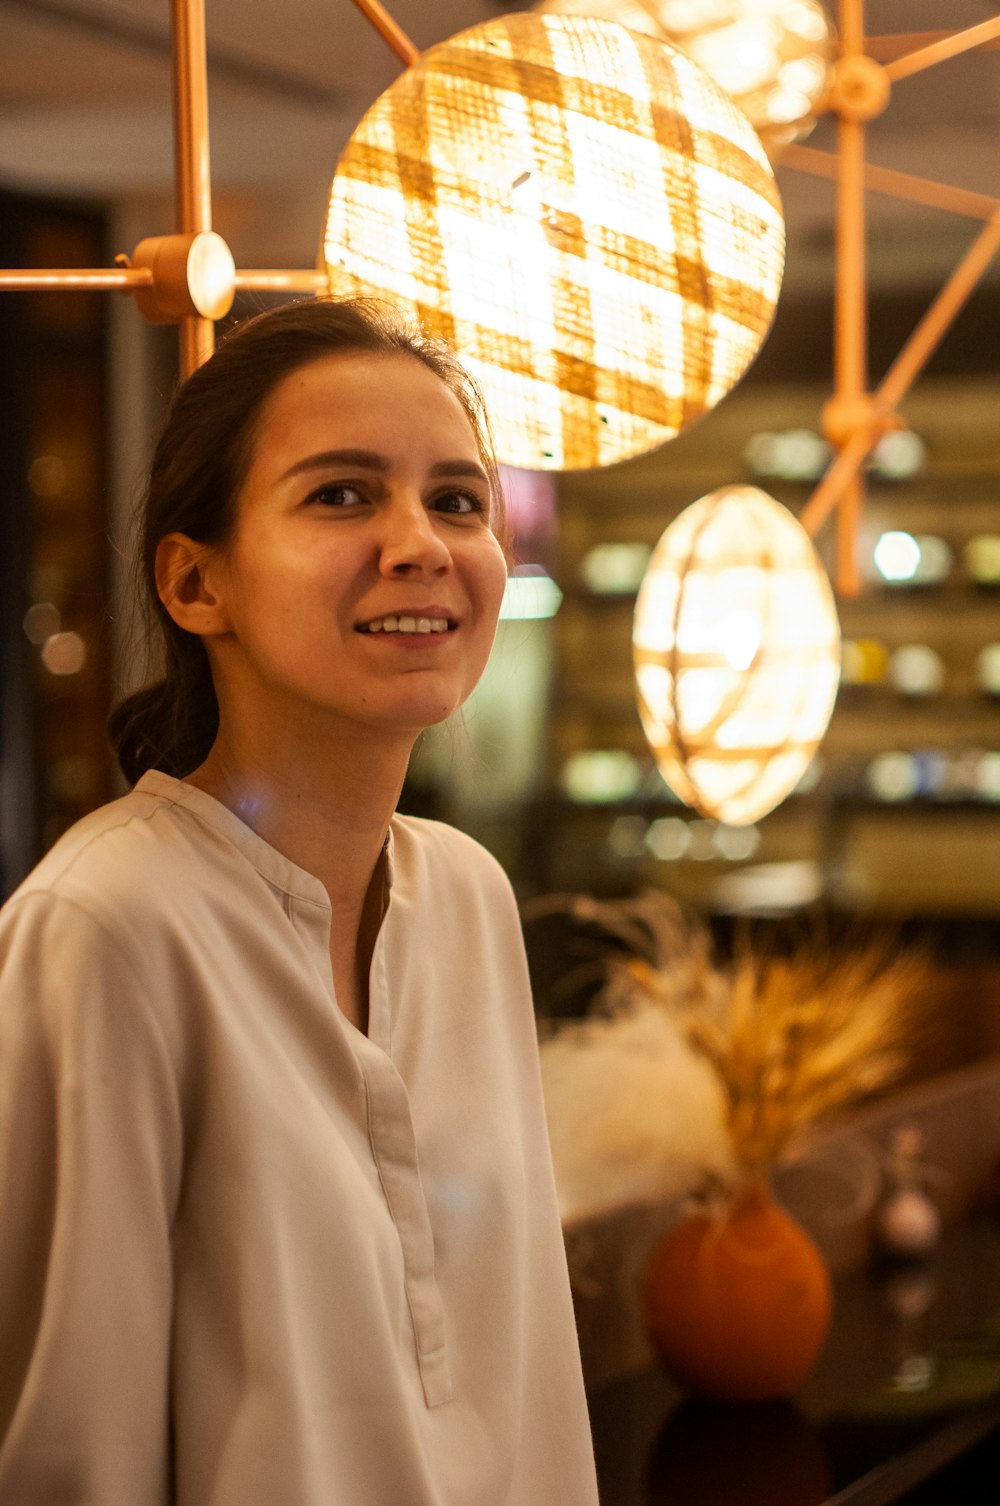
358,397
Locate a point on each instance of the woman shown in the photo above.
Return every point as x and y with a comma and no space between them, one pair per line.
278,1223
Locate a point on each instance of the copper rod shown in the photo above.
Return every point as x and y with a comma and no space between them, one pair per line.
850,343
850,322
945,47
849,508
936,321
851,26
192,188
68,278
977,206
886,49
831,488
196,344
901,374
389,30
268,280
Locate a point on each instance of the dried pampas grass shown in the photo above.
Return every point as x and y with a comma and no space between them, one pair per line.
798,1036
635,1114
695,1072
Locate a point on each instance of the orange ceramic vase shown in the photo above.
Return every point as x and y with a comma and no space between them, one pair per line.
738,1302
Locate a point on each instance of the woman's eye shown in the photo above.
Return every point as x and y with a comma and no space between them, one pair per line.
459,502
337,494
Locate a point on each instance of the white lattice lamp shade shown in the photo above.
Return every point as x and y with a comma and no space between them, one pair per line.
737,654
583,214
772,57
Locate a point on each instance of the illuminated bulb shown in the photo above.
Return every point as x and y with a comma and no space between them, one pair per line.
738,638
737,654
897,556
894,776
669,839
988,669
601,776
40,621
530,593
773,57
917,670
614,569
64,653
982,558
583,214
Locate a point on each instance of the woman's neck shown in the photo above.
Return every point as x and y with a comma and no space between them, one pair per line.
329,815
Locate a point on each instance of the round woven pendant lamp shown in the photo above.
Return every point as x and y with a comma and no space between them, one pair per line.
737,654
772,57
583,214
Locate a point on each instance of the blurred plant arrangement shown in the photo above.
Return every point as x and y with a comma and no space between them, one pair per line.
687,1072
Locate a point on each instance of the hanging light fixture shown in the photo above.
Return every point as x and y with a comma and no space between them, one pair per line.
737,654
583,213
772,57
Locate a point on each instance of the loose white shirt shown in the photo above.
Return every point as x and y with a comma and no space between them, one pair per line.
249,1255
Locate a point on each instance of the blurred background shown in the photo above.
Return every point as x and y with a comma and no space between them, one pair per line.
899,816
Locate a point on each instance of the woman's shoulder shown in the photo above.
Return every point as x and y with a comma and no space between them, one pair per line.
416,840
119,860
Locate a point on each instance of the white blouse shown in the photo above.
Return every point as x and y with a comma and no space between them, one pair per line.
250,1256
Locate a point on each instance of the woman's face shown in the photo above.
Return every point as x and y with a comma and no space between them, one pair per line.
363,581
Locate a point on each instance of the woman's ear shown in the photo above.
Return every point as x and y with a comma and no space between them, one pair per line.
187,584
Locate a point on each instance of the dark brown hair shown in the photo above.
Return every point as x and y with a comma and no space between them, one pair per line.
198,470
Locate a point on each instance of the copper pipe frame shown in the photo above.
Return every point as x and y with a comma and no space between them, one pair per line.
887,48
941,48
977,206
388,29
904,370
90,279
192,181
842,487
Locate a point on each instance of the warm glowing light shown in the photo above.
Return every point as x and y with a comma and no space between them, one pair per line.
530,593
982,558
41,620
737,654
773,57
917,670
894,776
64,653
897,556
601,776
583,213
614,569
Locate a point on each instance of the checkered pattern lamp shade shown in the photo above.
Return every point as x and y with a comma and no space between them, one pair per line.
737,654
772,57
583,214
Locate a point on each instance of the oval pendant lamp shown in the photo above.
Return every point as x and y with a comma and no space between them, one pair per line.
583,214
737,654
774,58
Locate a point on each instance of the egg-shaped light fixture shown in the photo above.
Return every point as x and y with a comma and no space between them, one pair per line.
773,57
583,214
737,654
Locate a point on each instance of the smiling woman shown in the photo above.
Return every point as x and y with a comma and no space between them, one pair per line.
280,1223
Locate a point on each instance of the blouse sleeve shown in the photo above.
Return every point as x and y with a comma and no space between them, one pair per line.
90,1154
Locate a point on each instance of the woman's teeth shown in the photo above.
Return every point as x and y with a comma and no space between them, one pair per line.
408,625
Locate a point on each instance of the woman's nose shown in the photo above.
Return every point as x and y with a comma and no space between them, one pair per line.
410,543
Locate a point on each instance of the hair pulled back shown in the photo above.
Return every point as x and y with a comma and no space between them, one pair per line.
198,470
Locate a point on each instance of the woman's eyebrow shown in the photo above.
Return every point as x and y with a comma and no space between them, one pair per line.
370,460
459,468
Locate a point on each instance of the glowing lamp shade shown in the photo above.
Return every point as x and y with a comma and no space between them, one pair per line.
583,214
772,57
737,654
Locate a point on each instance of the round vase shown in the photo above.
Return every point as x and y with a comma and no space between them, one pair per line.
738,1301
